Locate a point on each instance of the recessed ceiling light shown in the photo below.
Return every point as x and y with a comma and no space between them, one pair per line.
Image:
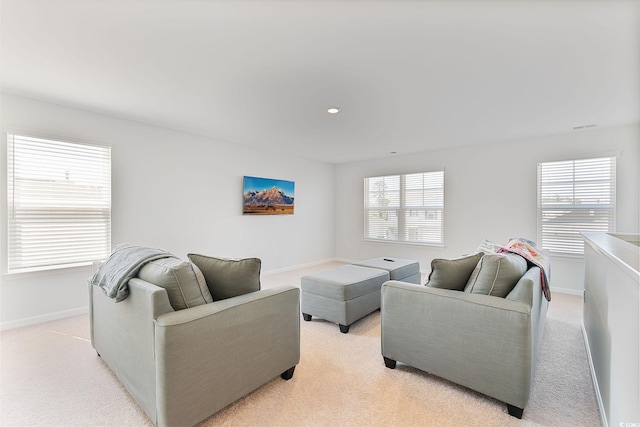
333,110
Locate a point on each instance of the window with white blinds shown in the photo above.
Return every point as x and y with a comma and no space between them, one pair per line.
575,196
405,208
59,202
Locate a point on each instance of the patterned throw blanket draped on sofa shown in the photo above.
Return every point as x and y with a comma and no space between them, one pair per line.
528,250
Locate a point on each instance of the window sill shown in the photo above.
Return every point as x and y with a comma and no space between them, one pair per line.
569,257
403,243
48,271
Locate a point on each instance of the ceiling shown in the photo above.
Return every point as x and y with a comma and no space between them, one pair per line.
409,76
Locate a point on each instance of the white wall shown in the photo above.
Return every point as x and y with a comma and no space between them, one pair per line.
172,190
182,192
490,193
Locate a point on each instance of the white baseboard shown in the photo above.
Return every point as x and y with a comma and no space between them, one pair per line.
27,321
347,260
566,291
603,416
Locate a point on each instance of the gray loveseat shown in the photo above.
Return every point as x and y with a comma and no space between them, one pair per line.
482,341
182,366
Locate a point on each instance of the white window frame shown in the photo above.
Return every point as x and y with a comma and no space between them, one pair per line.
58,203
397,203
575,196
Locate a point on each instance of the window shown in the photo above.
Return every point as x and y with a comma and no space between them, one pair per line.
404,208
575,196
59,202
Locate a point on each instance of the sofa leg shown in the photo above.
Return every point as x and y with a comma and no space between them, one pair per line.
389,363
306,317
514,411
344,329
288,374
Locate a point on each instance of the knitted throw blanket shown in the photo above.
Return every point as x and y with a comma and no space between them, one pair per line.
123,264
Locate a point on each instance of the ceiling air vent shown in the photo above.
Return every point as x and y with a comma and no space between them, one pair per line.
584,126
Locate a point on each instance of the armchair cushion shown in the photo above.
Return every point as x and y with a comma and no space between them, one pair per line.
496,274
184,282
452,273
228,278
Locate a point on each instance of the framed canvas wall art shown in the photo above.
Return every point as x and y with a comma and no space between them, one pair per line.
266,196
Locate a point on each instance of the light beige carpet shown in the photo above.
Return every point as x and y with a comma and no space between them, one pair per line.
50,375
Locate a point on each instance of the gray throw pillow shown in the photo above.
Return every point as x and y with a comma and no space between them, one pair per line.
496,274
452,273
228,278
184,282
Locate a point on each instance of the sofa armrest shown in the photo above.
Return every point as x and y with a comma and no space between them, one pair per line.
479,341
133,316
123,335
223,350
528,288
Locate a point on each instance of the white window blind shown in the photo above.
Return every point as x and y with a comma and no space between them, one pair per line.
405,208
575,196
59,201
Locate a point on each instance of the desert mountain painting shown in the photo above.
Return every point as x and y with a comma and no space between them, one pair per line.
266,196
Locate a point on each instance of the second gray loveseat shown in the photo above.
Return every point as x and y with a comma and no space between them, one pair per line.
485,342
